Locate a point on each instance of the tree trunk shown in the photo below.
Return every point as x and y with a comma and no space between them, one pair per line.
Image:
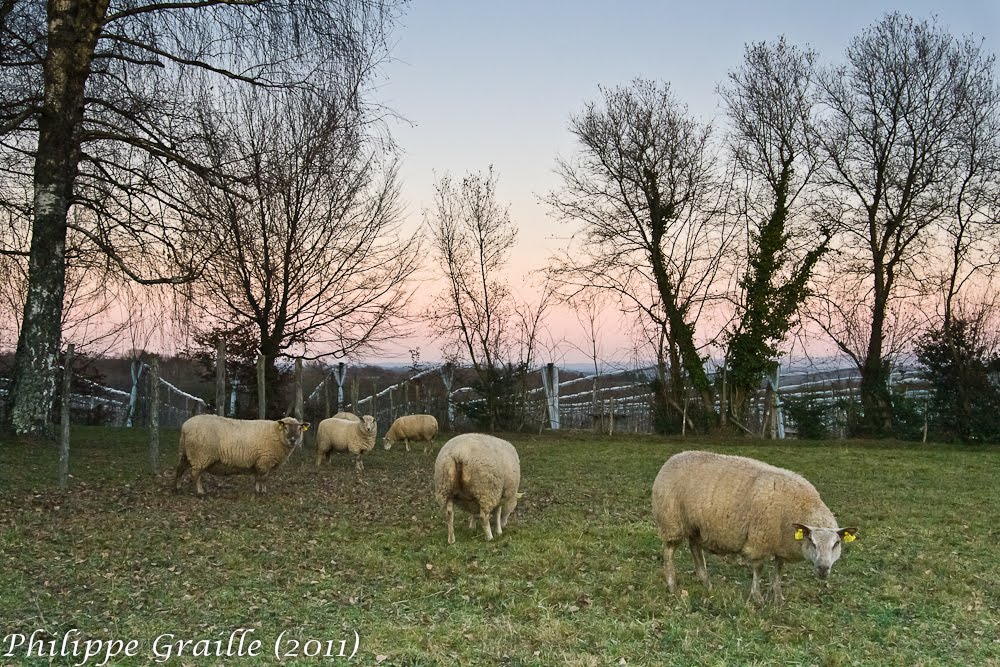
875,399
275,400
73,27
681,334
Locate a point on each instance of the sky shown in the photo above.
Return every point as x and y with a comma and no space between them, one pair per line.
495,83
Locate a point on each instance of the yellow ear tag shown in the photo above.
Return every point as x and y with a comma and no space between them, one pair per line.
798,534
848,537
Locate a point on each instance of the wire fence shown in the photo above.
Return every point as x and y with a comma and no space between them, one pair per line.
609,402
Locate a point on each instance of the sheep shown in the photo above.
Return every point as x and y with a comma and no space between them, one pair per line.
411,427
480,474
738,505
349,416
225,446
344,435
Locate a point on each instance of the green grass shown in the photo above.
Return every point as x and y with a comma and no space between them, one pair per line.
575,580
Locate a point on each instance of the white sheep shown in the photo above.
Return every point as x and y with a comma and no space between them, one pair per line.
411,427
737,505
350,416
344,435
223,446
480,474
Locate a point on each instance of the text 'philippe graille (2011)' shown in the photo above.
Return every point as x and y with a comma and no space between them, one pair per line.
239,643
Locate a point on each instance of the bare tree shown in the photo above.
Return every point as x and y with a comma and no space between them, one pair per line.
92,291
311,255
770,101
889,138
478,316
643,187
97,111
972,231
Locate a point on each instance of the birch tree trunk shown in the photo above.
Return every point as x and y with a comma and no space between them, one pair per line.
73,28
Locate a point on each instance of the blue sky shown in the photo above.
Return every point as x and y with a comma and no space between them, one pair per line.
486,83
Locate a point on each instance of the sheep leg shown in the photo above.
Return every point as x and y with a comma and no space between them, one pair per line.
449,512
319,457
505,514
700,567
758,571
359,465
499,527
196,476
472,522
668,566
776,580
260,483
407,443
182,468
484,519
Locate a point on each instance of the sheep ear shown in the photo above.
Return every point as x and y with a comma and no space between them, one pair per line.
801,531
281,425
848,534
305,426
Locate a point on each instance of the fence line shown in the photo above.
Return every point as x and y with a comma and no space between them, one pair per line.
616,400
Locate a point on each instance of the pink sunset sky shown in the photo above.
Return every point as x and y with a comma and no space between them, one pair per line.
482,84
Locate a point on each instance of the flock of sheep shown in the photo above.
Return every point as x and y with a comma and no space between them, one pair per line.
717,503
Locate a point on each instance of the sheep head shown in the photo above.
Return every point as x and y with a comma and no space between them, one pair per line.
369,425
821,546
292,431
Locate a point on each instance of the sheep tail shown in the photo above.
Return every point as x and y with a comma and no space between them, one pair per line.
456,481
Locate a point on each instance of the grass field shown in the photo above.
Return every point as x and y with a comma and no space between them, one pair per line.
574,580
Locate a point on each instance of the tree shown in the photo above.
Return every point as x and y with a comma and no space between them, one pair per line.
477,315
310,252
644,189
770,102
93,291
98,103
889,140
958,361
972,231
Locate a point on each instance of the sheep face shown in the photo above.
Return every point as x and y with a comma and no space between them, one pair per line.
292,431
821,546
369,425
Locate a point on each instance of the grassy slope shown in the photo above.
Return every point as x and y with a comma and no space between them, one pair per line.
576,579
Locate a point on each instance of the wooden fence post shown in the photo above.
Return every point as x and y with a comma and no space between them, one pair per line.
220,378
339,375
326,397
723,398
261,387
154,416
550,382
299,414
448,377
64,440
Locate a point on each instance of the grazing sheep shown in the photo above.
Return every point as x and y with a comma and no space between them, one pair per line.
411,427
349,416
737,505
344,435
224,446
480,474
